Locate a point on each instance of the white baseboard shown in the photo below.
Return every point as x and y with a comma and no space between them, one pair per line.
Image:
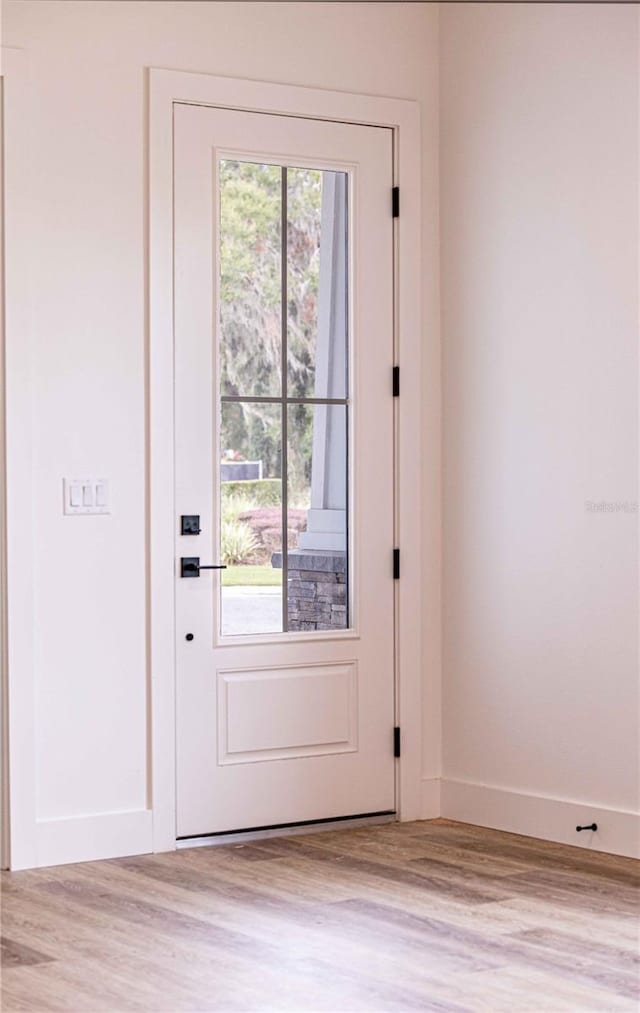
430,798
114,835
551,819
87,838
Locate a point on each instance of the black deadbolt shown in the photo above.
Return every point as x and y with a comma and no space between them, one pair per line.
189,636
190,524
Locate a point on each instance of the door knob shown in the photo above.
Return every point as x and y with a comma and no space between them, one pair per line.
190,566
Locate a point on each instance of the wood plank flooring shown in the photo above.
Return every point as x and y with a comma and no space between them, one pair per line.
433,916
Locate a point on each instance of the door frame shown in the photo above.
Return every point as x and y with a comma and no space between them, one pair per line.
165,88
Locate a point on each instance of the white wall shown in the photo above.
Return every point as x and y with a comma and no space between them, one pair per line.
87,197
539,205
539,255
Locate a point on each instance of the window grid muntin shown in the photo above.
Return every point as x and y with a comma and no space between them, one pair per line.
284,401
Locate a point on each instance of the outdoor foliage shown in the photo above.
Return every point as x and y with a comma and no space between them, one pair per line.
250,308
237,543
247,493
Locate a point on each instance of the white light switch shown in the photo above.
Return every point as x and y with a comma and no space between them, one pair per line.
86,496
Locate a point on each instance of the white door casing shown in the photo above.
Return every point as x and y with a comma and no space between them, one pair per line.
167,88
283,728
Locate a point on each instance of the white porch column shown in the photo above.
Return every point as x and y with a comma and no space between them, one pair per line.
327,517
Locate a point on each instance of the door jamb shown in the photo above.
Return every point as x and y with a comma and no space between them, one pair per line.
165,88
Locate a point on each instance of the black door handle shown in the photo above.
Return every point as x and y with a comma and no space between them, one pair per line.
190,566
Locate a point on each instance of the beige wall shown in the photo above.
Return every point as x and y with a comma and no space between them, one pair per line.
87,64
539,203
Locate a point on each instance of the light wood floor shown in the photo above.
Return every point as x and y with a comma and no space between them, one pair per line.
423,916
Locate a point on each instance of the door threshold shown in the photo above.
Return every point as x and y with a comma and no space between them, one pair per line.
287,830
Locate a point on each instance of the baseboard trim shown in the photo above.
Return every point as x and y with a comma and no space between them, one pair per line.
430,803
88,838
115,835
548,818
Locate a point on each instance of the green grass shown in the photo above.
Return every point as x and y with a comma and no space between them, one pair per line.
251,576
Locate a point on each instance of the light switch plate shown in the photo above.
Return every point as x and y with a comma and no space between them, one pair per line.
86,496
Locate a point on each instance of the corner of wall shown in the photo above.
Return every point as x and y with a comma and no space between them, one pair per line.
431,805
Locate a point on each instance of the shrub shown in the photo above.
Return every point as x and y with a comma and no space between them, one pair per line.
238,542
233,506
257,492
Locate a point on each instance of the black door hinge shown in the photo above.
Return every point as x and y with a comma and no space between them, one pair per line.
395,201
396,381
396,742
396,564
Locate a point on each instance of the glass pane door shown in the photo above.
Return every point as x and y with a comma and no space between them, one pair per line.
283,398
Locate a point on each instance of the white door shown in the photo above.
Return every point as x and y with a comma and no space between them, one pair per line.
284,470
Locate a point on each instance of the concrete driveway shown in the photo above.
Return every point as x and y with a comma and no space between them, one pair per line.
251,610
